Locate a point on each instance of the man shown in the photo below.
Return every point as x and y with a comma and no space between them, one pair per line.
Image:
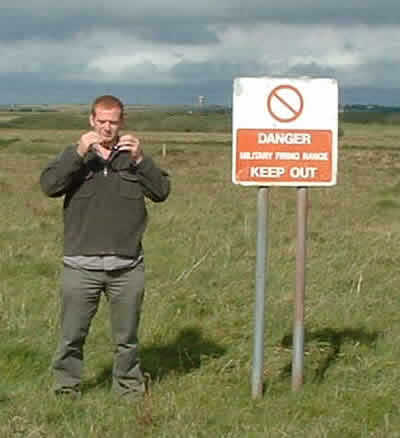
104,179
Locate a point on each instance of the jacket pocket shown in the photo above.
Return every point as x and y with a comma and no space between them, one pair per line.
86,188
129,186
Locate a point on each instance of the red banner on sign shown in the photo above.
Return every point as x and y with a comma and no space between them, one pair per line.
278,157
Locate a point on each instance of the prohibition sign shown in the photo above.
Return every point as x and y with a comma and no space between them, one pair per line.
285,108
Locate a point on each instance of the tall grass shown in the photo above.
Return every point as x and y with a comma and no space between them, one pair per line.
197,326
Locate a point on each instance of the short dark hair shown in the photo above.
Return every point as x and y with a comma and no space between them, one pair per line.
107,101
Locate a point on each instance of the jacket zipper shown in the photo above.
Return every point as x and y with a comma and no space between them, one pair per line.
114,152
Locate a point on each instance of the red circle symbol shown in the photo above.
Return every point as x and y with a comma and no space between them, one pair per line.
285,103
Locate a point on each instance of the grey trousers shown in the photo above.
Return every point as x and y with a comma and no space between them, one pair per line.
80,296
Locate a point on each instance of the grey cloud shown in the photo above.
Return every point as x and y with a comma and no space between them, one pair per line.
222,71
181,33
63,41
143,74
23,27
177,21
312,69
383,73
341,12
202,72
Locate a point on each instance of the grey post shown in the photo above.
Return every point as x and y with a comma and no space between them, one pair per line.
261,276
298,328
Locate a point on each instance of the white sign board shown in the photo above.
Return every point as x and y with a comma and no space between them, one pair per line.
285,132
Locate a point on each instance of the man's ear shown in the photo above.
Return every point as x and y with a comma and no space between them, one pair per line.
122,122
91,120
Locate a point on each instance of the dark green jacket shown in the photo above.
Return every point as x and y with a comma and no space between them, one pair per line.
104,206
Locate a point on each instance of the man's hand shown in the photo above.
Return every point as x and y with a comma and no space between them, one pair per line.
87,140
131,143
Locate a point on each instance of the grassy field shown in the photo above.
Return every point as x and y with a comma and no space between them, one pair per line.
197,326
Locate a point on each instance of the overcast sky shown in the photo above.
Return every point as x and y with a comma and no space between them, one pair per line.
171,51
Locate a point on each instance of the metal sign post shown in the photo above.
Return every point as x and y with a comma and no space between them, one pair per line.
261,277
298,323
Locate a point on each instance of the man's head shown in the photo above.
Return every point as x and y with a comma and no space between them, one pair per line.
106,118
107,102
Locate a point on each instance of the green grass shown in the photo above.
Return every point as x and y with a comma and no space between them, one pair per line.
197,326
5,142
183,119
371,117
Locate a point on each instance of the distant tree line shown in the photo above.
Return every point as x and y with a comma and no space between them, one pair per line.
371,108
180,119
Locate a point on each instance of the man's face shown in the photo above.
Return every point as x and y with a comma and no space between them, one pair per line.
106,122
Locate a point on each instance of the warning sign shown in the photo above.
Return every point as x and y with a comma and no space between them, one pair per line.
285,132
